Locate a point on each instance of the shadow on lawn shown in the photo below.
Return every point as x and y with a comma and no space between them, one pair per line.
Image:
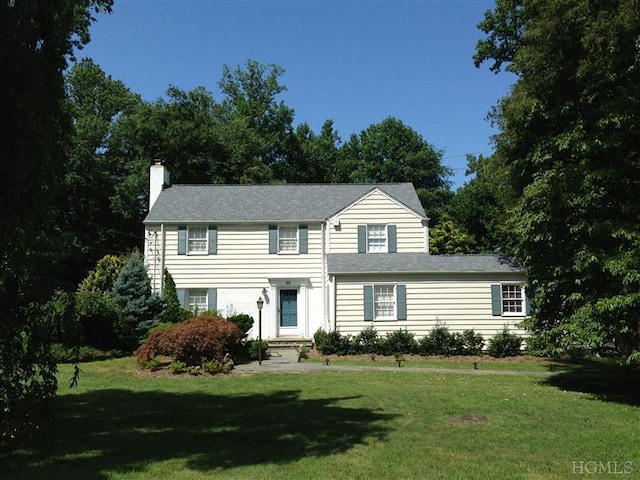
610,386
108,431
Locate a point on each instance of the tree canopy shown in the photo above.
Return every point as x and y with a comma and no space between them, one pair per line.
38,39
568,137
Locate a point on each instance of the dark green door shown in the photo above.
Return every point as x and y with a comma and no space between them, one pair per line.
288,308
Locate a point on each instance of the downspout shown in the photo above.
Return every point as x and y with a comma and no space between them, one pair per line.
162,247
325,286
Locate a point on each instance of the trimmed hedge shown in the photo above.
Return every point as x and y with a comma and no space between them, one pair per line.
440,341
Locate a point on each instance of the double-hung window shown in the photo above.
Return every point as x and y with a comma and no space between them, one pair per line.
197,239
288,239
512,299
197,300
509,299
377,238
385,302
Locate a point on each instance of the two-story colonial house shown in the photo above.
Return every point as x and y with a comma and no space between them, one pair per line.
331,256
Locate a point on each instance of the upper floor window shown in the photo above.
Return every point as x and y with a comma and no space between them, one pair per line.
288,239
197,239
377,238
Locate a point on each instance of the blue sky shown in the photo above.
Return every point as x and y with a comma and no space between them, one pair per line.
355,62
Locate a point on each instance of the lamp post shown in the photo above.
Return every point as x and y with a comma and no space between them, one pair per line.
260,303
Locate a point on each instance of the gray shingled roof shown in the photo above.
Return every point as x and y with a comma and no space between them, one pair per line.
267,203
348,263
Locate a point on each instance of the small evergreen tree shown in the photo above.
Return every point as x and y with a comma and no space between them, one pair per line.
173,311
139,307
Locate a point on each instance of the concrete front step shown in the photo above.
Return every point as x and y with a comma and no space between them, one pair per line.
288,343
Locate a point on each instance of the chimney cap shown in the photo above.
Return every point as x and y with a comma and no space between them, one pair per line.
157,161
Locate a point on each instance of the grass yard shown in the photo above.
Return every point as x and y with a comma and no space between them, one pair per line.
339,424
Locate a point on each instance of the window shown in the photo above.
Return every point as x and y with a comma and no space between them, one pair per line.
512,300
377,238
384,302
509,299
197,239
197,300
288,239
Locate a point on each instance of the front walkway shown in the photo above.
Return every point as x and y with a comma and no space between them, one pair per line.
286,361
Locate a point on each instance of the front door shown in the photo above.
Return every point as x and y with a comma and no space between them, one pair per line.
288,308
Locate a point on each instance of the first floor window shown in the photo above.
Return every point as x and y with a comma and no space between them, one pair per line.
197,300
512,300
197,239
384,302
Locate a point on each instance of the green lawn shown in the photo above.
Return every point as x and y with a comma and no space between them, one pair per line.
338,424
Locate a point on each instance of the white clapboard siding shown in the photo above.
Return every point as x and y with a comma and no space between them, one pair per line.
458,302
242,259
376,208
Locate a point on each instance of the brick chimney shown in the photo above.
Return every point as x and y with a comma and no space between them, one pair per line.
158,180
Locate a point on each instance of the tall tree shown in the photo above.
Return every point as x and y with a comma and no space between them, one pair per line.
393,152
311,158
251,102
36,42
568,135
89,227
484,205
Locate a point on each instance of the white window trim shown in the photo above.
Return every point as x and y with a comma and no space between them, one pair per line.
289,252
394,317
386,237
206,240
523,304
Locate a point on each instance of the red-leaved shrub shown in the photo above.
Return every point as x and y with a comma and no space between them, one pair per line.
193,341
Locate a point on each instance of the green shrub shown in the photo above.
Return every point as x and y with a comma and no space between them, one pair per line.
336,344
242,320
253,349
320,339
64,354
152,364
178,367
505,344
400,341
214,367
440,341
303,352
367,341
473,342
193,341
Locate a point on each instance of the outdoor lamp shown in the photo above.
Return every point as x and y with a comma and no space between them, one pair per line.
260,303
